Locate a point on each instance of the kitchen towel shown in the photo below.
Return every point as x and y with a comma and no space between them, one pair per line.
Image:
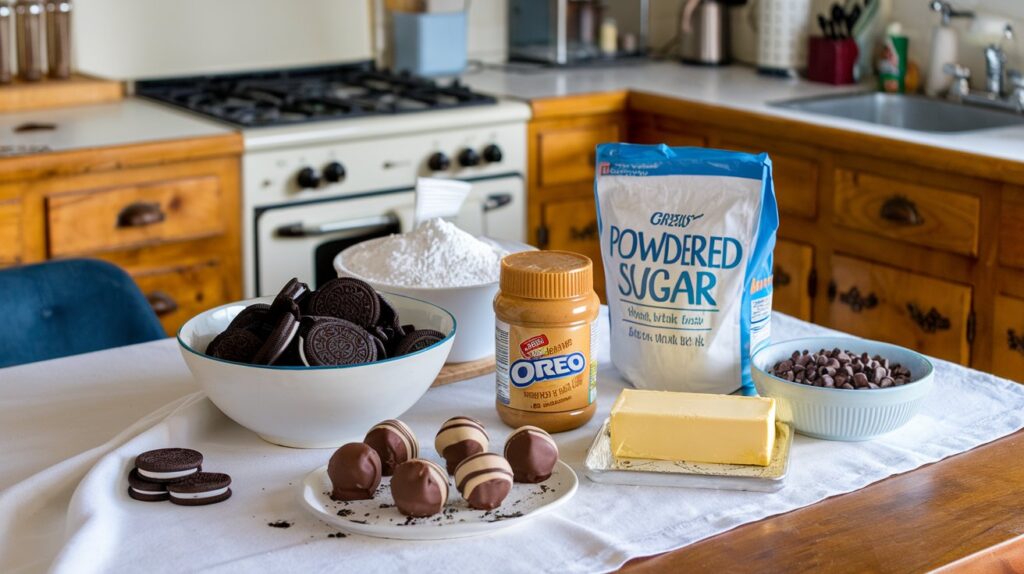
600,529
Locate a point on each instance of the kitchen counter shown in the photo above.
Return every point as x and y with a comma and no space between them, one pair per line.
735,87
126,122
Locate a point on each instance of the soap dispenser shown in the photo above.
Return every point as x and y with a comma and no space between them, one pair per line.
944,48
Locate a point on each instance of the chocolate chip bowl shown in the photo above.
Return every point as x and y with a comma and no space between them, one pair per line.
292,404
860,389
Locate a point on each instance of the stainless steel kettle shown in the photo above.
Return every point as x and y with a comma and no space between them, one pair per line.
704,32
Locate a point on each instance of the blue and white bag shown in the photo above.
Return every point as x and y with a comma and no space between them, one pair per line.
687,236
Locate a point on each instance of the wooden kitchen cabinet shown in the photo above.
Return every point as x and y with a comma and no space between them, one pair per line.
562,140
1011,227
1008,338
167,212
795,174
572,226
794,278
880,302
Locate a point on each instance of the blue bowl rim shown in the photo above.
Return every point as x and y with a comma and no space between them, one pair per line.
304,368
795,342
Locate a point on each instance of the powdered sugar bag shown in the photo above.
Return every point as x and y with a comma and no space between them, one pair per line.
687,236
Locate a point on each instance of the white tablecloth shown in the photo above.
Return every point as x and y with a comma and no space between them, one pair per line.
63,505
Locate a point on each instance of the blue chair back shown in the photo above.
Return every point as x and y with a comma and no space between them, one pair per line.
72,306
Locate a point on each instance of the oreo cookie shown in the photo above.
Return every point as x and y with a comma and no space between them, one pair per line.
388,320
200,489
417,340
331,342
168,465
277,341
253,317
346,298
382,352
239,345
141,488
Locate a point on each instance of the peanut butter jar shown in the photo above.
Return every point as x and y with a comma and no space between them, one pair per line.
545,331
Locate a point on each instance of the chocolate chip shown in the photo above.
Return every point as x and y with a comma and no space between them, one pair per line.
839,368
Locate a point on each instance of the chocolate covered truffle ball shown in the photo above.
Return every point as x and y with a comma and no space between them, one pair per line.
459,438
419,487
484,480
354,471
394,442
532,454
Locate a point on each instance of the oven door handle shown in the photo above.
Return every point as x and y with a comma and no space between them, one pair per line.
497,200
346,226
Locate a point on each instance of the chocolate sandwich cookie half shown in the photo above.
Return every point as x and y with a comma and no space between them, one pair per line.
331,342
146,490
346,298
459,438
168,464
484,480
394,442
417,340
200,489
532,453
419,487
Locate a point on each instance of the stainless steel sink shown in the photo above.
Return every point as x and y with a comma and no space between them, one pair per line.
908,112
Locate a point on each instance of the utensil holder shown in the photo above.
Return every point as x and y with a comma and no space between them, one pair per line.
831,61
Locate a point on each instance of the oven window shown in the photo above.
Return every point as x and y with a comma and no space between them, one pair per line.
328,250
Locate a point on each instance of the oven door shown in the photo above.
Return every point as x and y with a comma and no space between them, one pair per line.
301,240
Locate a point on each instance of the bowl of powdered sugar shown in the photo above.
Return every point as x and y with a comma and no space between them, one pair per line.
441,264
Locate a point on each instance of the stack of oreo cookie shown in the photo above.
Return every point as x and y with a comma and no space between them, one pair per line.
176,474
344,322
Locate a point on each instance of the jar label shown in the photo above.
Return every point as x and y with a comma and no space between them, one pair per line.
543,369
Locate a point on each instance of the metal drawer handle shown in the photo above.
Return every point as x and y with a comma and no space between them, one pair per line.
1015,341
162,303
496,201
781,278
584,233
348,226
856,301
901,211
140,214
929,322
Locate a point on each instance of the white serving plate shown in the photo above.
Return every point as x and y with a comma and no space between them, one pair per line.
601,466
524,503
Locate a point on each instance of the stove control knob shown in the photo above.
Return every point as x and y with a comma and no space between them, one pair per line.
334,172
438,162
469,158
308,178
492,153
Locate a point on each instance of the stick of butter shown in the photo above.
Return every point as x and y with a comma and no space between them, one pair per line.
693,427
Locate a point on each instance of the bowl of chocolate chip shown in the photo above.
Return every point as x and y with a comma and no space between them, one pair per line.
842,388
315,368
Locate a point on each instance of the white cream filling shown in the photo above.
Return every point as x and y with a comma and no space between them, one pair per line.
194,495
148,492
166,475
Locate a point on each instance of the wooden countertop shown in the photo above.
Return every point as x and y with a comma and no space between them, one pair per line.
968,505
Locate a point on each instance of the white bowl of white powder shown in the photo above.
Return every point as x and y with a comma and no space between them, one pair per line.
441,264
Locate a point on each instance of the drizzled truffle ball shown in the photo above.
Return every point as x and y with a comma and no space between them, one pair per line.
484,480
532,453
354,471
459,438
419,487
394,442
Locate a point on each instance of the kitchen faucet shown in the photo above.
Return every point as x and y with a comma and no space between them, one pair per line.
1003,88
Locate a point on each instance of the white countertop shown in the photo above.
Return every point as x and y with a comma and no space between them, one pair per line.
127,122
735,87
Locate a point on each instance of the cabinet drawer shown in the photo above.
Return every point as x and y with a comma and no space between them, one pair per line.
572,226
178,293
91,221
1011,227
880,302
795,179
10,231
567,155
1008,338
909,212
792,274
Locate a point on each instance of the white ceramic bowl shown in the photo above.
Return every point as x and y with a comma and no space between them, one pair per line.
843,414
315,407
473,306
